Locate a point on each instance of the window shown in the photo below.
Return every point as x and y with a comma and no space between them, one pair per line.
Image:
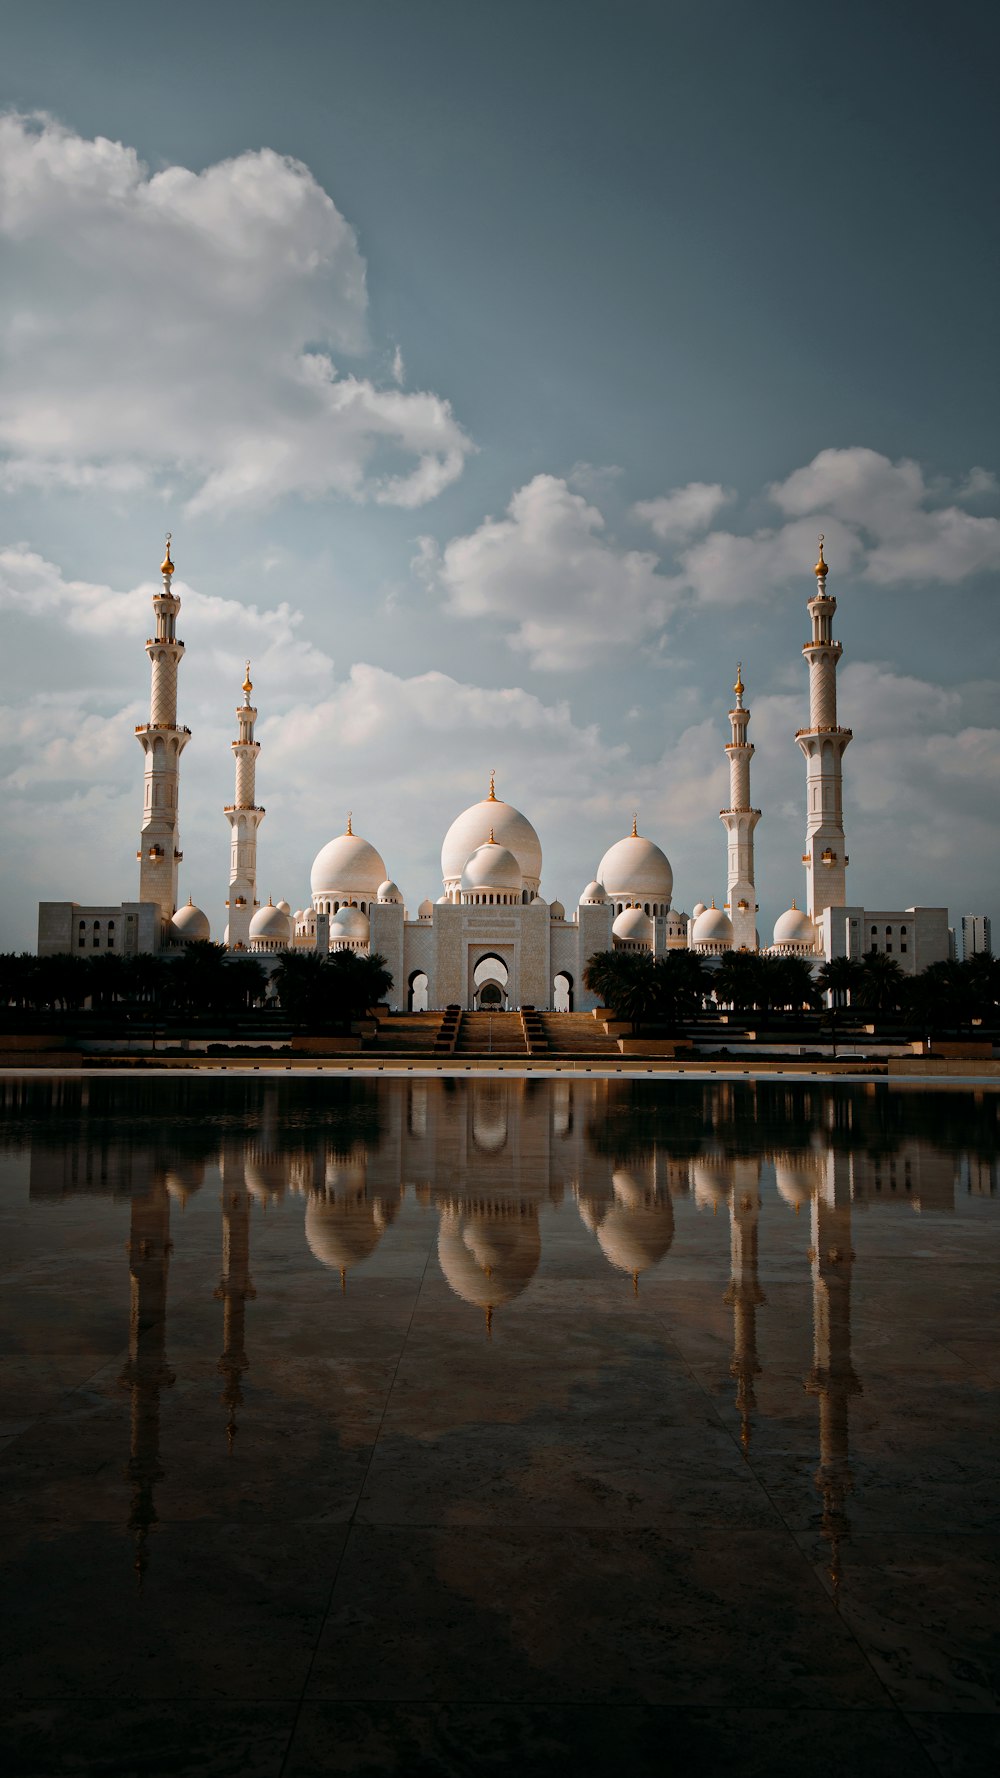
902,932
888,946
903,945
888,932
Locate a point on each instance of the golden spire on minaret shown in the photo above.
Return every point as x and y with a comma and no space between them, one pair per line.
635,825
493,786
739,687
821,569
247,683
350,829
166,566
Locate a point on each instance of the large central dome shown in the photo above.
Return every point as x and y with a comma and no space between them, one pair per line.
510,829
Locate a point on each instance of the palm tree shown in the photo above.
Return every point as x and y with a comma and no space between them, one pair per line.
737,980
682,981
839,978
881,986
353,984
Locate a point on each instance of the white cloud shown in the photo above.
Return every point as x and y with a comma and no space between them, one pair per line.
185,323
684,511
546,570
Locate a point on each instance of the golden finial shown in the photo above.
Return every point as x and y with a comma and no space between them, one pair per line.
349,827
739,686
489,1321
492,840
822,568
248,683
635,825
166,566
493,786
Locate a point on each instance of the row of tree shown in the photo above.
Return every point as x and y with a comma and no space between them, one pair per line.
678,986
313,991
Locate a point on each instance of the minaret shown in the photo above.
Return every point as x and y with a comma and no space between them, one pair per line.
147,1371
244,818
163,743
739,821
823,744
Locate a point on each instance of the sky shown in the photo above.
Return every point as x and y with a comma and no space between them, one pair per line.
495,368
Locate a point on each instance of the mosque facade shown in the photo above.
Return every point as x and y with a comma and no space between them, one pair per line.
490,939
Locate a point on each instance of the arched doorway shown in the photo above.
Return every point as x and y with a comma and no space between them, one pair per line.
562,992
490,980
416,998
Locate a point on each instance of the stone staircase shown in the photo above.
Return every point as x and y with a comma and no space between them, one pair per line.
414,1033
492,1034
577,1034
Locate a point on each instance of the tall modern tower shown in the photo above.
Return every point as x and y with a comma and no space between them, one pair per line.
162,742
244,818
824,744
739,821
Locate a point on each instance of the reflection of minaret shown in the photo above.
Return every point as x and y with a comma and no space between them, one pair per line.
744,1294
146,1372
235,1285
832,1377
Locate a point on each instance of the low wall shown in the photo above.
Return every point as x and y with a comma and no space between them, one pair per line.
972,1066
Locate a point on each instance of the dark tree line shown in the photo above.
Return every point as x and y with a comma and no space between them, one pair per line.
678,986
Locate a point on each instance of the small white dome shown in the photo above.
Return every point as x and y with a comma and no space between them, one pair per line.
595,894
699,908
189,924
794,927
445,899
492,867
283,905
271,922
350,923
712,927
426,909
347,863
389,892
636,868
633,926
556,910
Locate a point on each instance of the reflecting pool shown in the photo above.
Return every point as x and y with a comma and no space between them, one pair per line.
440,1427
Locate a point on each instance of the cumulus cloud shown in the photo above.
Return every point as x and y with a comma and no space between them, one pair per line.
558,584
684,511
185,323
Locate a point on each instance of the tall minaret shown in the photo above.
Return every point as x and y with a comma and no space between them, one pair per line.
739,821
163,743
244,818
823,744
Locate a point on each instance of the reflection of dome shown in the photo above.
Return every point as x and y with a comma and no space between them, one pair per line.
510,829
713,927
492,867
797,1177
636,870
270,926
350,864
343,1231
190,924
794,927
712,1178
637,1229
633,927
266,1175
593,895
389,892
490,1257
185,1178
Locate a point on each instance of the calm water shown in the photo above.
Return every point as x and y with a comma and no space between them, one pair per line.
501,1426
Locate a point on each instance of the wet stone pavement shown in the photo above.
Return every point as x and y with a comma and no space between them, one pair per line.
500,1427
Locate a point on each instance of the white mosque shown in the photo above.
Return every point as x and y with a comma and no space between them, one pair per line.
490,939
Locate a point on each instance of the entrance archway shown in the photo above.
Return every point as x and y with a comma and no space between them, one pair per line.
490,980
562,992
416,998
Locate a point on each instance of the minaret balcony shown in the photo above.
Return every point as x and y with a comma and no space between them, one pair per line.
243,809
834,730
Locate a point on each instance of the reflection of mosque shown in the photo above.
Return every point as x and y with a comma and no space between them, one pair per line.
491,1158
